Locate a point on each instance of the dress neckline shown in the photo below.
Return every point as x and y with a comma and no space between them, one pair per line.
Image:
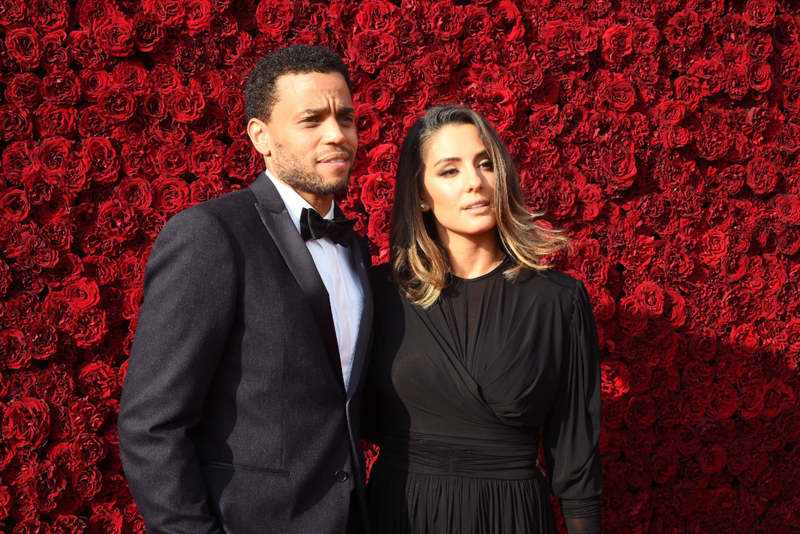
494,271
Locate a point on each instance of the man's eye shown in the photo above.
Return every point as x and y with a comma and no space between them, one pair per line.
347,119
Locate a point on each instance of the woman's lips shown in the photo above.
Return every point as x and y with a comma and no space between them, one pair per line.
478,208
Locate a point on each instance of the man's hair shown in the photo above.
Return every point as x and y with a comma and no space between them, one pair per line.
260,94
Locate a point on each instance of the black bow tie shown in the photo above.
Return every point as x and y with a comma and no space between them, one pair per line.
313,226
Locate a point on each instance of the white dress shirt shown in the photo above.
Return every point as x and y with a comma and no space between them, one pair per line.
336,269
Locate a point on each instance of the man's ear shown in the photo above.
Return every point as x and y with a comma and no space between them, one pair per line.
259,135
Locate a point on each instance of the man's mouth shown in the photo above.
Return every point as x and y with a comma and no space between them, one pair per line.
335,160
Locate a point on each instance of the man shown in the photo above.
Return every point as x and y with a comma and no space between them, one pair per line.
240,407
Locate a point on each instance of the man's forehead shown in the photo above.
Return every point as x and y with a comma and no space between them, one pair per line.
313,89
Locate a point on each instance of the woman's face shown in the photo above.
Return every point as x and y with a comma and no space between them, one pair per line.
458,184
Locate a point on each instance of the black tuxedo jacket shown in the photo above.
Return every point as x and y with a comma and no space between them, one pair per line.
233,417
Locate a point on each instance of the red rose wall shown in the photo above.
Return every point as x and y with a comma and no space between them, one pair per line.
663,135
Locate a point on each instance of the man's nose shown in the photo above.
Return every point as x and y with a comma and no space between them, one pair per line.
334,133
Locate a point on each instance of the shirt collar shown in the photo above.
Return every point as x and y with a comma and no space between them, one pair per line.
294,202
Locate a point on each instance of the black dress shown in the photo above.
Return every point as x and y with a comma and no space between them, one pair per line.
456,397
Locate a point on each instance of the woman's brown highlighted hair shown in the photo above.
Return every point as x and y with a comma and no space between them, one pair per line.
420,263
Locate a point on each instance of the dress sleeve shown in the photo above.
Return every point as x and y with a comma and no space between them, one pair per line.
572,430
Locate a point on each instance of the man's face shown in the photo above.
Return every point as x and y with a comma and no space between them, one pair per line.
312,134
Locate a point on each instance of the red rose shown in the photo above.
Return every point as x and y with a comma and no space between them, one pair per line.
766,120
645,37
169,12
684,29
507,20
759,13
88,327
777,396
638,445
24,90
15,123
14,205
641,412
723,502
56,120
118,104
378,232
87,482
201,190
68,524
665,464
23,46
206,158
148,31
14,352
87,51
619,164
97,380
90,448
368,125
674,308
617,43
637,256
55,55
198,16
170,195
722,402
87,416
760,77
186,104
649,299
106,520
557,35
447,20
371,49
708,75
744,339
14,11
43,339
26,422
61,87
273,18
377,15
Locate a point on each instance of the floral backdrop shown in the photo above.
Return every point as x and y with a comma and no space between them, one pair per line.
663,135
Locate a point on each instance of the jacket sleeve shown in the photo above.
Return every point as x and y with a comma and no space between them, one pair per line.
189,304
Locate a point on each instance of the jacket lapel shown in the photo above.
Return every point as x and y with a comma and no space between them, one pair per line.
362,263
284,233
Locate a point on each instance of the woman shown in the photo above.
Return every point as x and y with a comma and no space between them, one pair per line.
477,348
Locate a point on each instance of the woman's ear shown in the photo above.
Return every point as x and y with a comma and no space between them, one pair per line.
259,135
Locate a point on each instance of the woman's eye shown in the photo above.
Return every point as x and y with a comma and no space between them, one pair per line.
487,164
448,172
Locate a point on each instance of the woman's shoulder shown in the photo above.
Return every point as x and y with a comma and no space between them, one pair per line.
557,283
551,287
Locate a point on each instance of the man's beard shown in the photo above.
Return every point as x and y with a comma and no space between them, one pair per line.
290,171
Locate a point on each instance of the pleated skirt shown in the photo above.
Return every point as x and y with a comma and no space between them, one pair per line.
402,502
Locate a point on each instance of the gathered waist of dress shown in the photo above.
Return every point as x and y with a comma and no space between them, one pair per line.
436,456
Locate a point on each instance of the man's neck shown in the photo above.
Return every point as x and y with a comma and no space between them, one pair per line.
320,203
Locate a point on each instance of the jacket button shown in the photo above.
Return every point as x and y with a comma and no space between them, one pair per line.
341,476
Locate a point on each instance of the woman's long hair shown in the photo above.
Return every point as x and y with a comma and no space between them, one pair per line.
420,263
